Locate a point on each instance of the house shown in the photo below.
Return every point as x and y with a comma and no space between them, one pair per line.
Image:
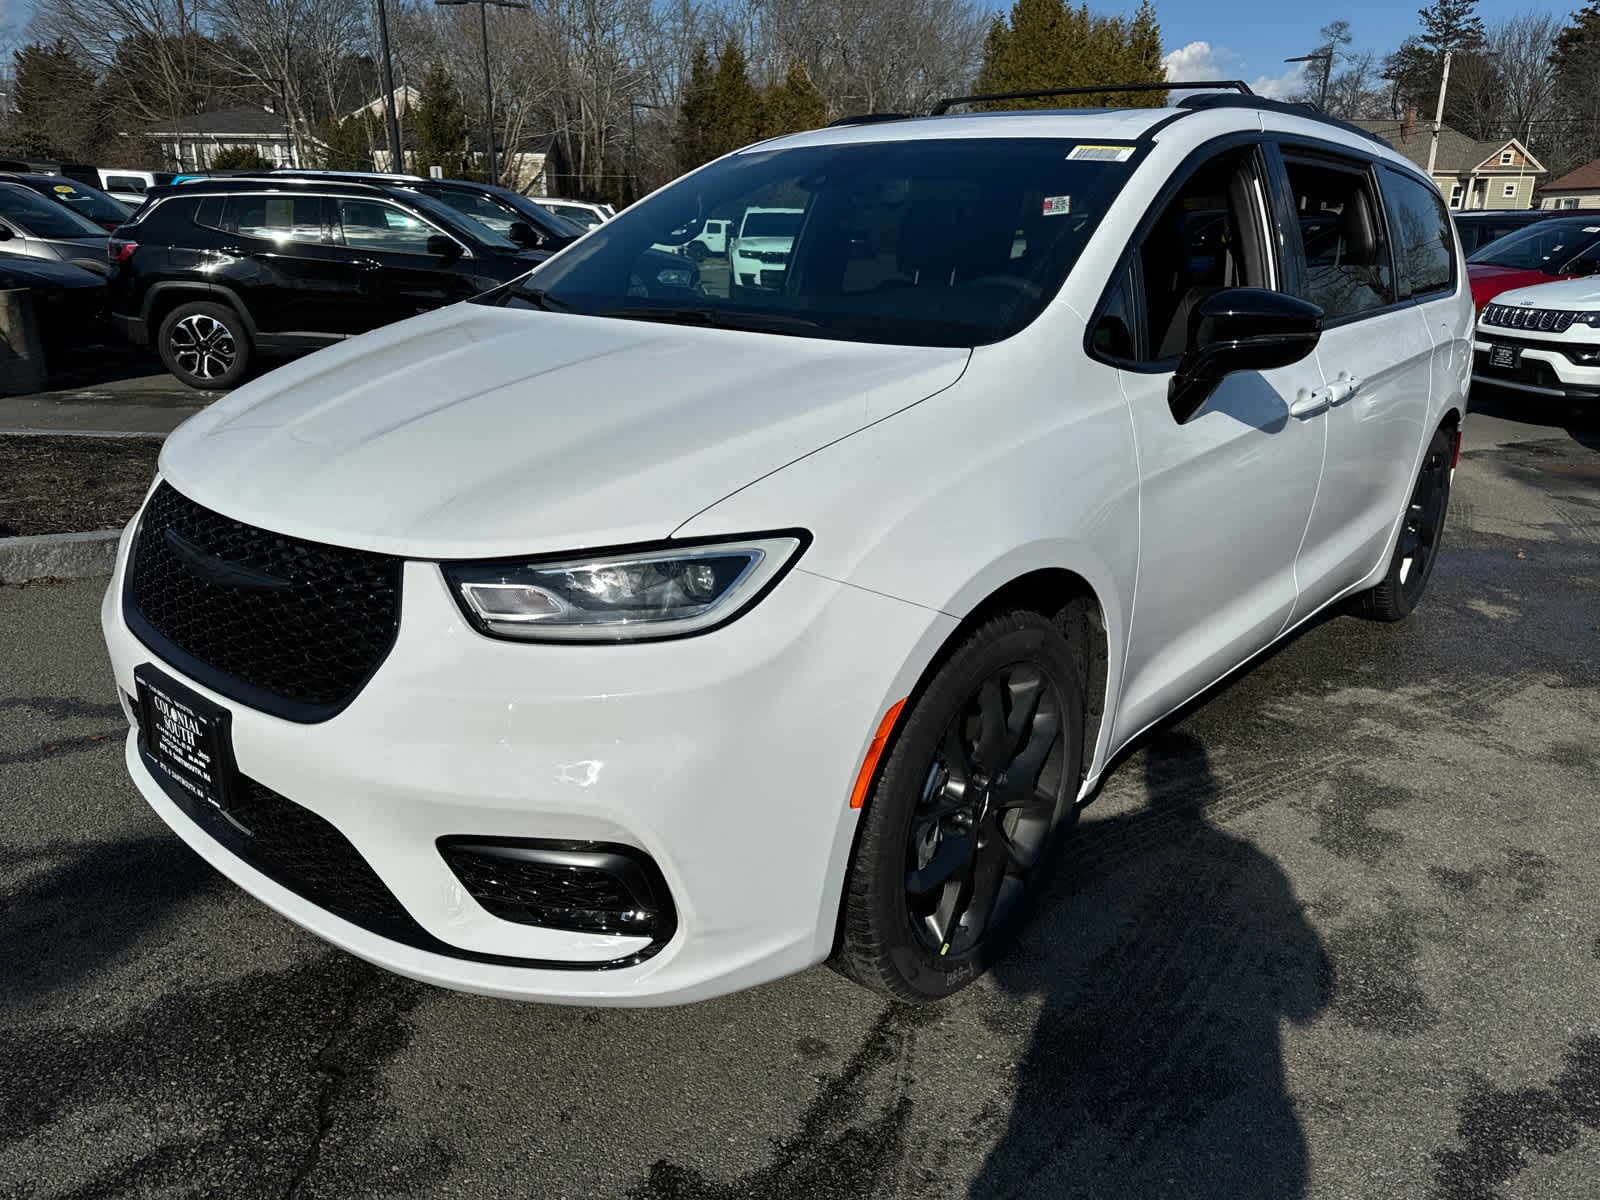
1496,174
190,143
1576,189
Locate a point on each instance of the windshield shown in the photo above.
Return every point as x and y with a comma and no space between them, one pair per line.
91,202
935,242
1544,246
43,218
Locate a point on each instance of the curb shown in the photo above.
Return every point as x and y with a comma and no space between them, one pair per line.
58,555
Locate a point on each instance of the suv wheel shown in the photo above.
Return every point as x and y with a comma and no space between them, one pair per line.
983,774
205,345
1421,531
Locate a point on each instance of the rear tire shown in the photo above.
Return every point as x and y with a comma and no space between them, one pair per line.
1421,535
205,345
981,778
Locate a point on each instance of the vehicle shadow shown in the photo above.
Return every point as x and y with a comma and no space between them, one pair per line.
1166,960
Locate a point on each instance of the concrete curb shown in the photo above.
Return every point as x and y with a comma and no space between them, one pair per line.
58,555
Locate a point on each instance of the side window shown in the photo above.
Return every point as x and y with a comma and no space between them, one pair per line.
1341,229
1424,249
1208,237
373,225
209,213
124,183
275,218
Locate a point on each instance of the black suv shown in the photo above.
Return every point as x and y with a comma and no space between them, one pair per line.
216,270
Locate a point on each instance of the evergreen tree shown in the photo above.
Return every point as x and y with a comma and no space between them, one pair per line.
440,124
347,144
793,105
1452,25
56,105
233,158
737,112
1045,44
692,142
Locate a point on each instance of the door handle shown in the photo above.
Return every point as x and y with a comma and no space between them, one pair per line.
1310,403
1342,388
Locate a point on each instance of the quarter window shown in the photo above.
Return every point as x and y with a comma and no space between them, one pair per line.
1424,247
372,225
1341,229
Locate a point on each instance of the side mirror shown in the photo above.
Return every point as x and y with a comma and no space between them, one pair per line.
5,234
523,235
1240,329
443,247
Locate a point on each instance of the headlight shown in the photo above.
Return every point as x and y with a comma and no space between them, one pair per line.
1591,319
624,596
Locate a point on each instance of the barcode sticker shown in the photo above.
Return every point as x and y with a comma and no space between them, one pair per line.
1057,206
1090,153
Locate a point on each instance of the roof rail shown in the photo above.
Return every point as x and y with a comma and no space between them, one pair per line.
1236,85
1291,108
869,119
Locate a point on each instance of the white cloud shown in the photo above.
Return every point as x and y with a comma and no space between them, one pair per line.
1201,60
1281,87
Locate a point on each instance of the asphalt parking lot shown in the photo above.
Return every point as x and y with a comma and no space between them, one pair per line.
1331,933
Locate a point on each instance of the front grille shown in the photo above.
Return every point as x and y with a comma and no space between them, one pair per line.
588,887
1545,320
301,649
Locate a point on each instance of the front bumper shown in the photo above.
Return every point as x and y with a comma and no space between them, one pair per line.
1542,370
727,758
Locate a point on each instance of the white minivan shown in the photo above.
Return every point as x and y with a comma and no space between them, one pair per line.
603,643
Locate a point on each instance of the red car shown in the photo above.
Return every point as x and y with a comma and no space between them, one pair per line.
1541,253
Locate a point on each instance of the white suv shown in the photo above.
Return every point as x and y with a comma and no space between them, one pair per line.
759,252
1543,339
512,648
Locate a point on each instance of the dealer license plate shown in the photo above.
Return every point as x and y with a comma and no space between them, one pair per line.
1504,357
186,736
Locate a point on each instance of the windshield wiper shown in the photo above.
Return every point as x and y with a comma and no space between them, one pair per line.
716,317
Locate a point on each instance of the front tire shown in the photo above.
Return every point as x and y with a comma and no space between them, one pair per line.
205,345
1421,534
982,776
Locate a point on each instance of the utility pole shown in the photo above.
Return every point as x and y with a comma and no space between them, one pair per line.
1438,119
396,162
491,173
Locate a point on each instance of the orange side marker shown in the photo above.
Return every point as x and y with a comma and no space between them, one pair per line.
869,765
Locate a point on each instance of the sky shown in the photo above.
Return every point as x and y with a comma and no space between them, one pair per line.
1236,39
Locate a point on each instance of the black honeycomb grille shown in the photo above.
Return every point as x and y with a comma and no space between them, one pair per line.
556,895
301,651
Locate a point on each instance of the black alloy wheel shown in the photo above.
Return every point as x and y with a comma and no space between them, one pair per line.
981,774
1421,534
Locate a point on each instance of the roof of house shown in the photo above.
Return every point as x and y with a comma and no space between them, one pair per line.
1585,179
1458,153
243,120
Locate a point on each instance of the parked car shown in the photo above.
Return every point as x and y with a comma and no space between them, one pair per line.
130,185
1542,340
759,252
606,642
68,302
712,239
47,166
213,271
87,201
1559,248
38,228
580,212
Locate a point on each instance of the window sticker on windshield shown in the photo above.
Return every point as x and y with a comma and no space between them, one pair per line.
1100,153
1592,229
1057,206
64,190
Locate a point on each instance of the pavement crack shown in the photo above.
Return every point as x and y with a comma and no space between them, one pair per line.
327,1063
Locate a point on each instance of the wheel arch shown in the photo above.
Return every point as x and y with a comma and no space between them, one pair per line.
162,298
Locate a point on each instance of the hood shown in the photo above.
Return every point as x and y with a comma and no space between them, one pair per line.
477,431
1579,293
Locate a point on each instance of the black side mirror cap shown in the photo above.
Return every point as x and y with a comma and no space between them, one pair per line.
1240,329
444,247
5,234
524,235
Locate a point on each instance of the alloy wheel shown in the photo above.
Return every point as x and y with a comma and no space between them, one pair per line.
203,346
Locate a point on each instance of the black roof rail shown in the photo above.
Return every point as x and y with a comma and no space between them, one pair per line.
1290,108
1233,85
870,119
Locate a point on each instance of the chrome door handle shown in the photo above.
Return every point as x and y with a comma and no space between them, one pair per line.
1310,403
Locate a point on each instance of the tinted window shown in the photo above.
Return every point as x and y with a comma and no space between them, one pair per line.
497,216
124,183
30,211
771,224
948,241
1543,246
1341,230
373,225
1424,246
275,218
91,202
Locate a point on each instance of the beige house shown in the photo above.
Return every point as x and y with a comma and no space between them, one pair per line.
1471,175
1576,189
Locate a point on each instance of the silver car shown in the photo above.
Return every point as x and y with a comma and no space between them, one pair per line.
36,227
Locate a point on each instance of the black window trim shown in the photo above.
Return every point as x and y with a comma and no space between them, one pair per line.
1174,183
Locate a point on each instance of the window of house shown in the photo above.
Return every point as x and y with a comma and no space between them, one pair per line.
1455,195
1506,158
1341,227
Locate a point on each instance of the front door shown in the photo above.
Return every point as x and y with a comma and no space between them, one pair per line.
400,276
275,252
1225,496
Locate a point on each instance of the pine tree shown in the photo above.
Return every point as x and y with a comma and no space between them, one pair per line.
232,158
55,102
793,105
692,142
440,122
1452,25
737,112
1045,44
347,144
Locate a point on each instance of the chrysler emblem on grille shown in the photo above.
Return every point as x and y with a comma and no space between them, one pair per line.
220,571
